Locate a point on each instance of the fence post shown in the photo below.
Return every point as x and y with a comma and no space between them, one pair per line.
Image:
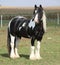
1,21
58,18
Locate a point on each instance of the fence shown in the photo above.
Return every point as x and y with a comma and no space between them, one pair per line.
53,19
4,19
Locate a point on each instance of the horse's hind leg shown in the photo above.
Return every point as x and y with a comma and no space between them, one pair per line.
8,42
15,48
12,54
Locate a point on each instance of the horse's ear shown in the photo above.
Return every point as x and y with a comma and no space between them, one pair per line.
35,6
41,6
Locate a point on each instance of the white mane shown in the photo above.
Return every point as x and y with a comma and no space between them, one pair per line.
44,21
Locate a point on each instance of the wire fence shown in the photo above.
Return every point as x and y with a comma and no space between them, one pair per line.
52,20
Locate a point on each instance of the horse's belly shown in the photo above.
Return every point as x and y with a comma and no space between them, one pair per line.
23,33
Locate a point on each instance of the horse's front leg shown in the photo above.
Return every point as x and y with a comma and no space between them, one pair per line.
37,51
32,54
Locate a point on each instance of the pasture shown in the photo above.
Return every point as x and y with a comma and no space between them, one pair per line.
50,49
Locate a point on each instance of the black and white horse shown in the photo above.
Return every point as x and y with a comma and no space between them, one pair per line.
20,26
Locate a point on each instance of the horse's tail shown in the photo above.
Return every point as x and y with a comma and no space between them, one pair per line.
8,41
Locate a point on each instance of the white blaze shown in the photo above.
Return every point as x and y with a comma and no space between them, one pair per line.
36,18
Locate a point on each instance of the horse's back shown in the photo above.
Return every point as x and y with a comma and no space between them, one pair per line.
16,20
16,23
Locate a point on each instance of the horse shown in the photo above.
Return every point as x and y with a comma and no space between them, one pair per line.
33,29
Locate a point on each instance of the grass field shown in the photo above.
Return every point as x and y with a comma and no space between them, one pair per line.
50,49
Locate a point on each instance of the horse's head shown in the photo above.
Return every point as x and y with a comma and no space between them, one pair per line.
38,13
39,16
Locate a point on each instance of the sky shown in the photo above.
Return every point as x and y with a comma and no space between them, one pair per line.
28,3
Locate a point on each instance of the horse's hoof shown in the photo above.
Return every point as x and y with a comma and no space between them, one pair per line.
32,58
17,56
38,58
14,57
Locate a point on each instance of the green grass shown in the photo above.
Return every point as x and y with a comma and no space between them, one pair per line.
50,49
